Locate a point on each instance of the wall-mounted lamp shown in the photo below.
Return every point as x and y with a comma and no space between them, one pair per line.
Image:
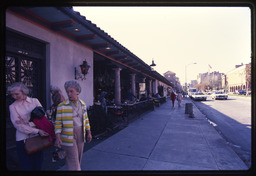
84,68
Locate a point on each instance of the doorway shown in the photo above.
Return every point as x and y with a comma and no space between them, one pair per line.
24,62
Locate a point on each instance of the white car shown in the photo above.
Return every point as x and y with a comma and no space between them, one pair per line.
191,92
199,96
219,96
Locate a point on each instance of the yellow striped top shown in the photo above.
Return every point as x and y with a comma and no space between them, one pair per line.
64,122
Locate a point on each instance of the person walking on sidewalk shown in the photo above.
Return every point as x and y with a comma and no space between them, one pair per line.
173,97
72,126
179,98
57,98
20,112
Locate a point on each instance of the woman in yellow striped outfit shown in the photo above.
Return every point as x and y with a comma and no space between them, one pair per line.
72,126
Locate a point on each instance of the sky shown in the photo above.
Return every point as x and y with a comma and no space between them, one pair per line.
215,38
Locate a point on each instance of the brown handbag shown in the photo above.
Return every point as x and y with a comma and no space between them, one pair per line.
37,143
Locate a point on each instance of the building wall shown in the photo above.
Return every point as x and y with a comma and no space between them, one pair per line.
164,88
216,79
202,77
236,78
62,56
224,81
193,82
213,78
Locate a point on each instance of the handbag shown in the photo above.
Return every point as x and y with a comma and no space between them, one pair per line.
37,143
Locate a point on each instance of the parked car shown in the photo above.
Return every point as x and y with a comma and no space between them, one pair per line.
236,92
199,96
191,92
219,96
242,92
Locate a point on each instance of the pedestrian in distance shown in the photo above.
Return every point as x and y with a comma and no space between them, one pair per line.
57,98
129,97
173,97
103,100
72,126
179,98
20,111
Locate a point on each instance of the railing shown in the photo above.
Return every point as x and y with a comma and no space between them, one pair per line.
101,119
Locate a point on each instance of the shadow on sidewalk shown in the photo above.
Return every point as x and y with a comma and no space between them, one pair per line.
227,129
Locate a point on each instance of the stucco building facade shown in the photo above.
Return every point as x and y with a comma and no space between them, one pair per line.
60,58
237,78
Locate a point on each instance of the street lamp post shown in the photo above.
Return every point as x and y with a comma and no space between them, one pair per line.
152,65
186,86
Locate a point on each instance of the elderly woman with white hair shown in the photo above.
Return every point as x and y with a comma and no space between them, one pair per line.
20,112
72,126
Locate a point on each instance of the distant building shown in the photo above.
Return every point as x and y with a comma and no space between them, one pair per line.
178,85
171,77
236,78
224,82
214,79
193,82
202,77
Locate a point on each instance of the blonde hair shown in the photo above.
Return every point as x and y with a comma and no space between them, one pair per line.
20,86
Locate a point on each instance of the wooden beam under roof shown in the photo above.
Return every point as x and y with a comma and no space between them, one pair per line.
128,61
62,24
86,37
120,57
100,45
133,64
109,53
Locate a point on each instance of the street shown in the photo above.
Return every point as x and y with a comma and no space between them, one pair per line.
232,119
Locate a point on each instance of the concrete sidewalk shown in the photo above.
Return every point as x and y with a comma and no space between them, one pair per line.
164,139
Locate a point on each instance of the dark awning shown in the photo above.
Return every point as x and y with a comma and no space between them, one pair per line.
69,23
